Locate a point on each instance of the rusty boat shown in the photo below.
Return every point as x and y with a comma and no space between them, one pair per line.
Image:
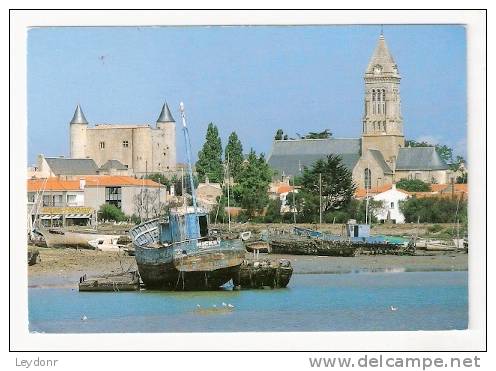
178,252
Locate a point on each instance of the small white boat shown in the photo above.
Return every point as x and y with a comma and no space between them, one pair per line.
63,238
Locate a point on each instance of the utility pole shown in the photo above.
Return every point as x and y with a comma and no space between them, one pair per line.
320,199
228,199
294,204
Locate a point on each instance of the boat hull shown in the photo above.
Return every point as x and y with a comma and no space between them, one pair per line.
165,269
62,238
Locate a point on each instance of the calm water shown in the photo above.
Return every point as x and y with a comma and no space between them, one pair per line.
313,302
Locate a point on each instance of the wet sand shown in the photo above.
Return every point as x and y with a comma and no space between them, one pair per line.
63,267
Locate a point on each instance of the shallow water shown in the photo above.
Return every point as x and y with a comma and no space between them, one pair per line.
312,302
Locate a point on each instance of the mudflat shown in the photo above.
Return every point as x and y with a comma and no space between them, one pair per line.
63,267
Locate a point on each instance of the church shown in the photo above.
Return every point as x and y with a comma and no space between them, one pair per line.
379,157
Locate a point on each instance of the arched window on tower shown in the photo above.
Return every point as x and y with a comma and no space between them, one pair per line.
373,101
383,101
367,178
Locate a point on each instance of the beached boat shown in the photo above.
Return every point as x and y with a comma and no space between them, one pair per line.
356,241
177,252
58,237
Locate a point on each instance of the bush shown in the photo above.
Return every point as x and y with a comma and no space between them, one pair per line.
434,228
273,214
434,210
111,212
135,219
413,185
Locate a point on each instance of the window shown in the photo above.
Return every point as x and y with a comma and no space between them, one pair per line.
71,200
30,197
125,144
102,145
113,196
367,178
392,205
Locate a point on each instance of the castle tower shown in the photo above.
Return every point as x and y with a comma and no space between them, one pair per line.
78,137
382,121
166,160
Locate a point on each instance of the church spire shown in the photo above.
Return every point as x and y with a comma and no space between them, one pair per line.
165,115
78,117
382,62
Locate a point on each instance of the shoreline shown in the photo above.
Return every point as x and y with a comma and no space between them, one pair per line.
61,268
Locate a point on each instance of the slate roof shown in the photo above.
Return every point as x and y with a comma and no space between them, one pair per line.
113,164
78,117
377,155
290,156
419,158
72,166
165,114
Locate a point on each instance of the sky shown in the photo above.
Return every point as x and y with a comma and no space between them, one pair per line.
248,79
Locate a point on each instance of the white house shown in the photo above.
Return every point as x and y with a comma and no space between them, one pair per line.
391,200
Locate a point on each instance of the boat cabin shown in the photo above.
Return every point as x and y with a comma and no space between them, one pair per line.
183,227
357,230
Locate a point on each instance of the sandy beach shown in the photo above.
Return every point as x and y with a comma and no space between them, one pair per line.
63,267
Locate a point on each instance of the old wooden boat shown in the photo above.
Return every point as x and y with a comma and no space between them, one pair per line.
59,237
356,241
177,251
127,281
263,273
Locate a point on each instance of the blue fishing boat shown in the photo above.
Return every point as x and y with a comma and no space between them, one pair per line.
178,252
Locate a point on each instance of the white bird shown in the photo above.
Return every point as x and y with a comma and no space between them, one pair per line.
198,305
230,305
393,308
215,306
84,318
224,304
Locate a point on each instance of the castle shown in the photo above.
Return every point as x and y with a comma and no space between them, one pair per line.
140,148
379,157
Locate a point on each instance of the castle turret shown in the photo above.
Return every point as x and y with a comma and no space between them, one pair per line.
78,134
167,126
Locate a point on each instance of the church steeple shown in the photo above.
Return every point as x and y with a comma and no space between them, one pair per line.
382,122
382,93
382,62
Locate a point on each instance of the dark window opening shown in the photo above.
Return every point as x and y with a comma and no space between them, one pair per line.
113,196
202,220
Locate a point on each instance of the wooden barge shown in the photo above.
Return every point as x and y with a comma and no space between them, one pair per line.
128,281
263,273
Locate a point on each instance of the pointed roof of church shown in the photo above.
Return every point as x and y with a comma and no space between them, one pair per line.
165,115
382,62
78,117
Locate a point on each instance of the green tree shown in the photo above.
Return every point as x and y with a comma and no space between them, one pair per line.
254,180
273,213
209,162
111,212
234,149
160,178
434,210
318,135
279,134
413,185
337,186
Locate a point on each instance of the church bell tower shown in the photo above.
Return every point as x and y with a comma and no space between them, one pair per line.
382,121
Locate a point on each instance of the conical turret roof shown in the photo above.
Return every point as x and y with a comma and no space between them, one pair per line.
382,62
78,117
165,115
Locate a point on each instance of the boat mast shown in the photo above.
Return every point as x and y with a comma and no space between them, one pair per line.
188,154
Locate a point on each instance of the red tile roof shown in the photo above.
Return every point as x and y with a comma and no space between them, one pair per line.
56,184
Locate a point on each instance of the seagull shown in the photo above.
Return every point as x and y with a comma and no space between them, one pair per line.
230,305
224,304
215,306
393,308
198,305
84,318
